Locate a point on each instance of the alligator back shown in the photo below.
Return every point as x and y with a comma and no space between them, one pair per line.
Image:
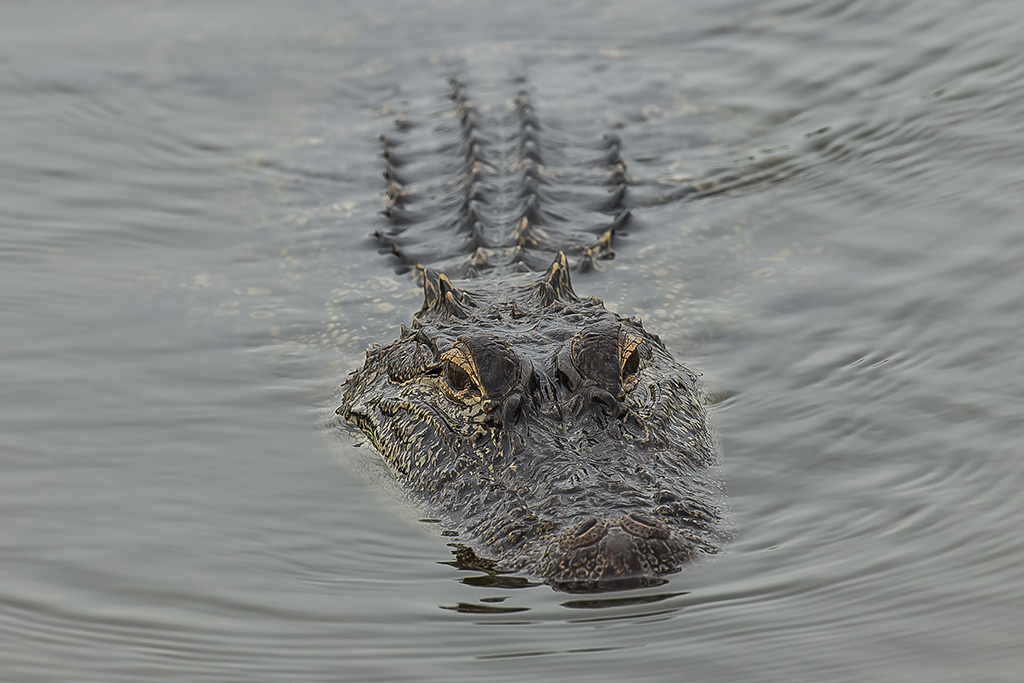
493,192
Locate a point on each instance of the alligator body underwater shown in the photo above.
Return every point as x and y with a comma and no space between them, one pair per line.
549,436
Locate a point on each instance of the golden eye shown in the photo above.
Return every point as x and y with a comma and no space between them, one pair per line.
609,355
457,378
630,347
595,354
461,378
631,365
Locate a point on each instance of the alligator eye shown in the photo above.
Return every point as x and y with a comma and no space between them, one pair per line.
458,379
631,365
608,355
630,348
594,353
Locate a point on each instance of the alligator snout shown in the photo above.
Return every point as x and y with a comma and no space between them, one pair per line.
623,550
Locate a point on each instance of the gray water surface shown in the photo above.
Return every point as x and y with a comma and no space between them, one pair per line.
188,190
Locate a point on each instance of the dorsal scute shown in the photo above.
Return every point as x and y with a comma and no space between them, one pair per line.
555,284
442,297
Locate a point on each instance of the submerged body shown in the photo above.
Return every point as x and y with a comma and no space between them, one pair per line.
551,437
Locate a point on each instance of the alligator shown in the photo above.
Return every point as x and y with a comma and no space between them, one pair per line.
550,437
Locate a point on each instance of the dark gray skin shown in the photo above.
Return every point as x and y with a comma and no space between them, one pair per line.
555,438
550,437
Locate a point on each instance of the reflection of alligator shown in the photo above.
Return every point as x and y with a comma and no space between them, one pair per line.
549,435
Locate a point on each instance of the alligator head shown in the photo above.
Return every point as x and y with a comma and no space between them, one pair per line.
549,435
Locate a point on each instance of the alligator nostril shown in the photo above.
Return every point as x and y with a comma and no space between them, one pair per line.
639,524
588,532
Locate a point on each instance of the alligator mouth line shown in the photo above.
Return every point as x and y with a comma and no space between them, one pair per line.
364,423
